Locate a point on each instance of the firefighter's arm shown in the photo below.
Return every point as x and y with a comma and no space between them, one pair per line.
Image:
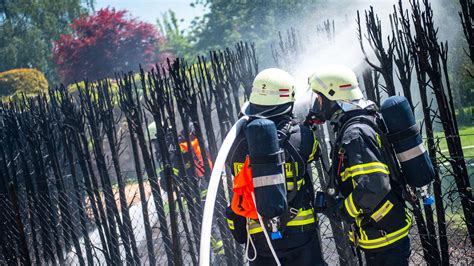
365,167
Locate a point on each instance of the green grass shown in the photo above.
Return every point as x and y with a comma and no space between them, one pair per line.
467,139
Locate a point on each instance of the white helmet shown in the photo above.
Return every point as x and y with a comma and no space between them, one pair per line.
337,83
273,86
273,93
340,92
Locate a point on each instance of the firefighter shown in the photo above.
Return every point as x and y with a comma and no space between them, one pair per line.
273,98
370,197
197,155
172,152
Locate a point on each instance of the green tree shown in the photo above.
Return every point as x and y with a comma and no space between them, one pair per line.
228,22
179,43
27,28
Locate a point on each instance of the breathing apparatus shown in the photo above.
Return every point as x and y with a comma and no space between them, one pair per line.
321,110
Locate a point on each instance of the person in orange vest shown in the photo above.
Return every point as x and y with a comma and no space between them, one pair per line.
299,242
196,149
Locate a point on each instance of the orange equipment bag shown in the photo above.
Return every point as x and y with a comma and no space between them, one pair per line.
242,202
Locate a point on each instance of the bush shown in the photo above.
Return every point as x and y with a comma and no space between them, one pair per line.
26,80
72,88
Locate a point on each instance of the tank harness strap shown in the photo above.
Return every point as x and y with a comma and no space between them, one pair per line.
404,134
286,145
276,158
294,201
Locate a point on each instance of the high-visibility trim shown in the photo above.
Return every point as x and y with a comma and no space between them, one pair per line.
364,235
359,220
230,223
385,240
411,153
304,217
379,141
321,83
268,180
217,246
175,171
315,148
203,193
254,227
382,211
366,168
291,185
354,183
351,208
237,168
289,169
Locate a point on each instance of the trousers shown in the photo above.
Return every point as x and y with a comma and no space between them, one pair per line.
398,255
304,255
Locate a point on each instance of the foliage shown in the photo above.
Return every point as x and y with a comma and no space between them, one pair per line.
228,22
28,81
465,116
106,43
27,29
178,42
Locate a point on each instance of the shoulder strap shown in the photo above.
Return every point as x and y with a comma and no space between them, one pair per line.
295,155
285,143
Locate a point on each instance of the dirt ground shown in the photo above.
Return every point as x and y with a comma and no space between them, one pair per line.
132,194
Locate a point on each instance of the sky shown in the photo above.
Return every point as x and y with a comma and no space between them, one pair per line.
151,10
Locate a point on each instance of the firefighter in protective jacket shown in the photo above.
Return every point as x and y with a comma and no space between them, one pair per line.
372,201
272,98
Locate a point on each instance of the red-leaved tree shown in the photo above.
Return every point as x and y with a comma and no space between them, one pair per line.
105,43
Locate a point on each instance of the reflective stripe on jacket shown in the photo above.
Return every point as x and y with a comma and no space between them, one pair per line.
304,217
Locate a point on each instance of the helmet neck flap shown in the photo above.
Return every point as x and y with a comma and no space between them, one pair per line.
263,111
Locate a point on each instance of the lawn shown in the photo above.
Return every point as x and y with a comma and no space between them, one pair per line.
467,140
